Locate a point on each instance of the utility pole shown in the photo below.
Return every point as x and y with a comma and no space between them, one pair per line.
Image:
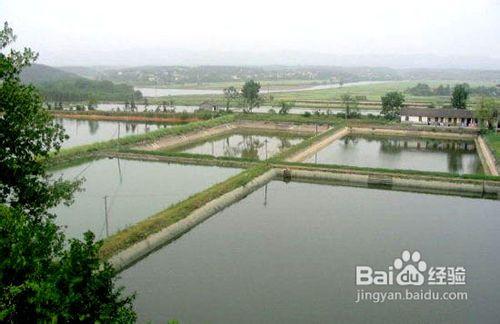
106,215
265,142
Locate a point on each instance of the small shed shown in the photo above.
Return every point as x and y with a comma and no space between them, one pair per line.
209,105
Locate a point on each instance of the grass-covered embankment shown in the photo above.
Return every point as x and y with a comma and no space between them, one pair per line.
176,212
304,144
394,172
299,119
84,151
493,141
201,115
193,156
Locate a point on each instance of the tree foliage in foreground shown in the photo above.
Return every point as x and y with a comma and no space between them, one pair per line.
392,102
43,276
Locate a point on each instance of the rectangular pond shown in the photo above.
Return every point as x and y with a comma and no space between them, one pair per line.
245,144
135,191
401,153
287,254
83,132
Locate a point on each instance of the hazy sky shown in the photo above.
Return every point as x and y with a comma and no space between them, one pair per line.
64,29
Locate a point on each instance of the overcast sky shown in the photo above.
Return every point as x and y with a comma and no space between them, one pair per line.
72,31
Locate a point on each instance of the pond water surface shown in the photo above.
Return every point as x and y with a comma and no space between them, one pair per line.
244,145
135,190
82,132
287,254
401,153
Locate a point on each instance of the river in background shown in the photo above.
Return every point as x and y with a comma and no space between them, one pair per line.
162,92
287,253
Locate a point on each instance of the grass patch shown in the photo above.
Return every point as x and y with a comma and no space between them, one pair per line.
176,212
290,118
493,141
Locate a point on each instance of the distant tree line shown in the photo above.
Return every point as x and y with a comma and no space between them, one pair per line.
85,90
423,89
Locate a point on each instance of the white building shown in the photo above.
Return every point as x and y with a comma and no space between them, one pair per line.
441,117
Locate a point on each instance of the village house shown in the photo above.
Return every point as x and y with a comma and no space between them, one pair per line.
441,116
209,105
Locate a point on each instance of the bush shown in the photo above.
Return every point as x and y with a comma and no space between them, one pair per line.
43,281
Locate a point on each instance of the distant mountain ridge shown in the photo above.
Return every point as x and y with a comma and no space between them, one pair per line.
161,75
39,73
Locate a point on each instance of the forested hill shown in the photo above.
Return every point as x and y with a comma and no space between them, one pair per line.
61,86
38,73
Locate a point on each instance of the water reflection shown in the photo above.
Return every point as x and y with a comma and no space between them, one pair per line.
93,127
82,132
402,153
249,146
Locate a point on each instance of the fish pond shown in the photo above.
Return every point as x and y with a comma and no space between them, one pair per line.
402,153
134,190
287,253
83,132
245,144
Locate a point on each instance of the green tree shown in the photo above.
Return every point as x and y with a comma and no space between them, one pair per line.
250,95
230,94
460,95
487,112
392,102
421,89
350,103
285,107
43,277
442,90
92,104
